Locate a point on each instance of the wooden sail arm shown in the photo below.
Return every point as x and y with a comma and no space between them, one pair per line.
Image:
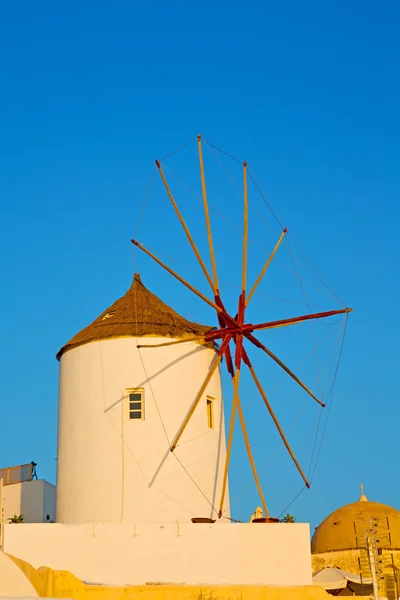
178,277
242,298
214,365
247,328
207,216
218,307
294,320
236,380
194,338
277,424
250,456
257,343
265,267
245,227
185,228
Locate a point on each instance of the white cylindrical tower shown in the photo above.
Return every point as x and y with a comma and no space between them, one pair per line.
120,407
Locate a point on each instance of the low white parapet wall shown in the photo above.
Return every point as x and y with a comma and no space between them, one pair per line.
193,554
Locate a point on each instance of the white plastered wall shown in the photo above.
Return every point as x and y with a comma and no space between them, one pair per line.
192,554
112,470
34,499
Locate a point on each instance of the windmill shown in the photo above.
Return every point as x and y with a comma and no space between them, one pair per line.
235,334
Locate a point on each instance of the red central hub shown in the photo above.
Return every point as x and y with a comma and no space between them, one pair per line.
235,329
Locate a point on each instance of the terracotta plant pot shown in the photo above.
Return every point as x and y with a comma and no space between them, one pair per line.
202,520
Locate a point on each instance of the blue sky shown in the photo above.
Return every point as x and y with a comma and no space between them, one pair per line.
308,94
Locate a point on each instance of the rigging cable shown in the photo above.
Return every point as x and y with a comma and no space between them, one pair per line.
174,500
141,214
294,474
305,447
223,168
309,437
294,500
300,412
321,409
180,148
144,202
265,200
331,395
305,297
314,271
167,436
141,358
307,261
251,241
278,449
263,196
309,310
234,285
302,361
222,151
237,186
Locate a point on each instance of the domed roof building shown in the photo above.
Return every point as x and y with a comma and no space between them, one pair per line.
340,541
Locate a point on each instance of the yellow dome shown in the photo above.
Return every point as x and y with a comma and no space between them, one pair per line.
337,531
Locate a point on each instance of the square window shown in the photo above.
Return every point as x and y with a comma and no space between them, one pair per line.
134,404
135,415
135,396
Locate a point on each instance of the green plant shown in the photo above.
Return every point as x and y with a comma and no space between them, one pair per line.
16,519
288,519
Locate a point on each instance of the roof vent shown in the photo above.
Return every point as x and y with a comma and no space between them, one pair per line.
109,314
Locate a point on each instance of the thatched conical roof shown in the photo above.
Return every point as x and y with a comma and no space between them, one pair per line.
137,314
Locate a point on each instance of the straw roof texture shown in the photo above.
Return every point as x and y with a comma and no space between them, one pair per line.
137,314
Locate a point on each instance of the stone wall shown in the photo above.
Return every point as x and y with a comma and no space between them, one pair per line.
343,559
348,560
